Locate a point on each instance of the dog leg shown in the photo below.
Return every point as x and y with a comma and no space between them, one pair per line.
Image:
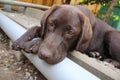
28,36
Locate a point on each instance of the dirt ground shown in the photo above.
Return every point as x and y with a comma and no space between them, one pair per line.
13,69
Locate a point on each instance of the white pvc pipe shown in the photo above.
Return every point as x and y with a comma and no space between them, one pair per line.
65,70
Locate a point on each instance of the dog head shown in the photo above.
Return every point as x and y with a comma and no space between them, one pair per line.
64,28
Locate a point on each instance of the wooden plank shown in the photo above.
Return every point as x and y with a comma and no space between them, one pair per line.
26,21
103,71
1,5
29,1
18,3
48,2
57,2
73,2
14,7
35,13
38,1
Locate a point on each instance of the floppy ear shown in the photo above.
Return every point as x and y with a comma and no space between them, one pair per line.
45,17
86,33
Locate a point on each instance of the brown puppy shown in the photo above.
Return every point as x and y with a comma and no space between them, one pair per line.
65,28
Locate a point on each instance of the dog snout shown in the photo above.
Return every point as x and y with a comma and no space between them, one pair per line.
45,54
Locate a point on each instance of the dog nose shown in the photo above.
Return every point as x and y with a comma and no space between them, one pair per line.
45,54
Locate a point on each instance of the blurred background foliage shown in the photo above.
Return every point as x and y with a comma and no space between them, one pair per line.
94,1
114,18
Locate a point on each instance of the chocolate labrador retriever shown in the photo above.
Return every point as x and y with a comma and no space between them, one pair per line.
65,28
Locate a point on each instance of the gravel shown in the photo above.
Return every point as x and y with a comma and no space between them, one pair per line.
13,69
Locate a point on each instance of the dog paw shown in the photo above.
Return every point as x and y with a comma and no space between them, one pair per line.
32,46
18,44
113,62
95,55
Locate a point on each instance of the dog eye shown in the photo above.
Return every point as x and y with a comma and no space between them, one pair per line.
51,26
69,34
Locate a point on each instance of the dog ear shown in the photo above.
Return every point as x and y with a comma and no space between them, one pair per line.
45,17
85,34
